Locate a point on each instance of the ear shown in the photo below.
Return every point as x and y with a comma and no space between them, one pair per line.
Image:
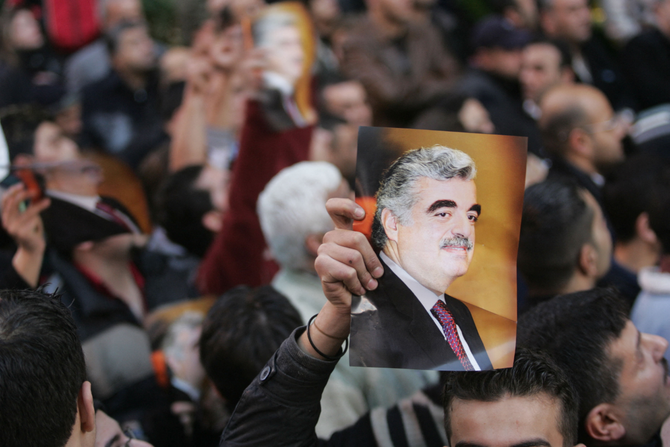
580,143
85,408
603,424
212,220
643,229
312,243
390,224
588,260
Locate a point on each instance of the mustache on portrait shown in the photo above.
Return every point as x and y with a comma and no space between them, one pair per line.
458,241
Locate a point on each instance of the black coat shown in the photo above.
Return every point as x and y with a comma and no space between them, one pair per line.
390,328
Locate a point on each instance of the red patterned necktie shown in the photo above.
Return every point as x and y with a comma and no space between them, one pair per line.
443,315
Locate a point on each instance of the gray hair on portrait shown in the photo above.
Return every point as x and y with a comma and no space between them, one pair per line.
292,206
266,24
397,187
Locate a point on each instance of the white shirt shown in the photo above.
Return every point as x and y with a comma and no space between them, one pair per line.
427,298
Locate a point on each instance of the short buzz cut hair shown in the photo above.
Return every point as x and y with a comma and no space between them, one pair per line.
397,190
42,369
576,331
532,374
556,222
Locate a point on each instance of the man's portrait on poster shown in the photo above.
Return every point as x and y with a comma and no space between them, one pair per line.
424,227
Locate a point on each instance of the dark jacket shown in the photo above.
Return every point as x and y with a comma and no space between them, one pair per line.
390,328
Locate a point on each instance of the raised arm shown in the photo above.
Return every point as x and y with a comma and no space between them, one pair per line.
26,227
281,406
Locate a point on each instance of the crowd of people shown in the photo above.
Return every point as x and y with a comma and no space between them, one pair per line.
178,254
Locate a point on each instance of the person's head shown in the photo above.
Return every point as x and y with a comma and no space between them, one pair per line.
279,35
579,125
566,19
497,46
521,13
180,348
46,400
32,132
628,196
346,99
532,403
619,373
325,14
113,12
426,213
544,63
292,211
564,244
20,30
109,433
130,47
190,206
397,13
662,15
659,210
239,335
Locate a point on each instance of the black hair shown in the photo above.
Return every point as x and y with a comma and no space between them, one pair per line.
576,331
19,124
556,222
180,206
240,333
629,191
532,374
113,36
659,209
42,369
555,130
560,44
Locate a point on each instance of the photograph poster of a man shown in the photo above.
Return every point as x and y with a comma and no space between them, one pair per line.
447,300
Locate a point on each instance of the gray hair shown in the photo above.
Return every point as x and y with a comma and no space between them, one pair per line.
293,206
397,187
268,23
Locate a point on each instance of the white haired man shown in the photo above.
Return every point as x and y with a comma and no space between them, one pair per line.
294,219
425,228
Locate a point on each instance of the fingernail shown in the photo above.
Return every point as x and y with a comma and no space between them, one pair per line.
372,284
359,213
378,272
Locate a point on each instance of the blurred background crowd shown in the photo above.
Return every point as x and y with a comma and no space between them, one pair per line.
185,150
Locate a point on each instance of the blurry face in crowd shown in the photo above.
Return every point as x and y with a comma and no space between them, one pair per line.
136,50
605,129
215,181
508,422
569,19
348,100
51,145
397,11
527,10
600,236
501,61
109,433
474,117
662,14
643,402
24,32
120,10
324,14
436,247
285,54
540,69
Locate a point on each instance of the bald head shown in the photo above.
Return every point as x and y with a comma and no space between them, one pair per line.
579,124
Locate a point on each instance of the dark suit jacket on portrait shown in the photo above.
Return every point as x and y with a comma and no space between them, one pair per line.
390,328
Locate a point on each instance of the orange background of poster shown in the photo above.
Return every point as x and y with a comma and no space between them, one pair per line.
489,286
